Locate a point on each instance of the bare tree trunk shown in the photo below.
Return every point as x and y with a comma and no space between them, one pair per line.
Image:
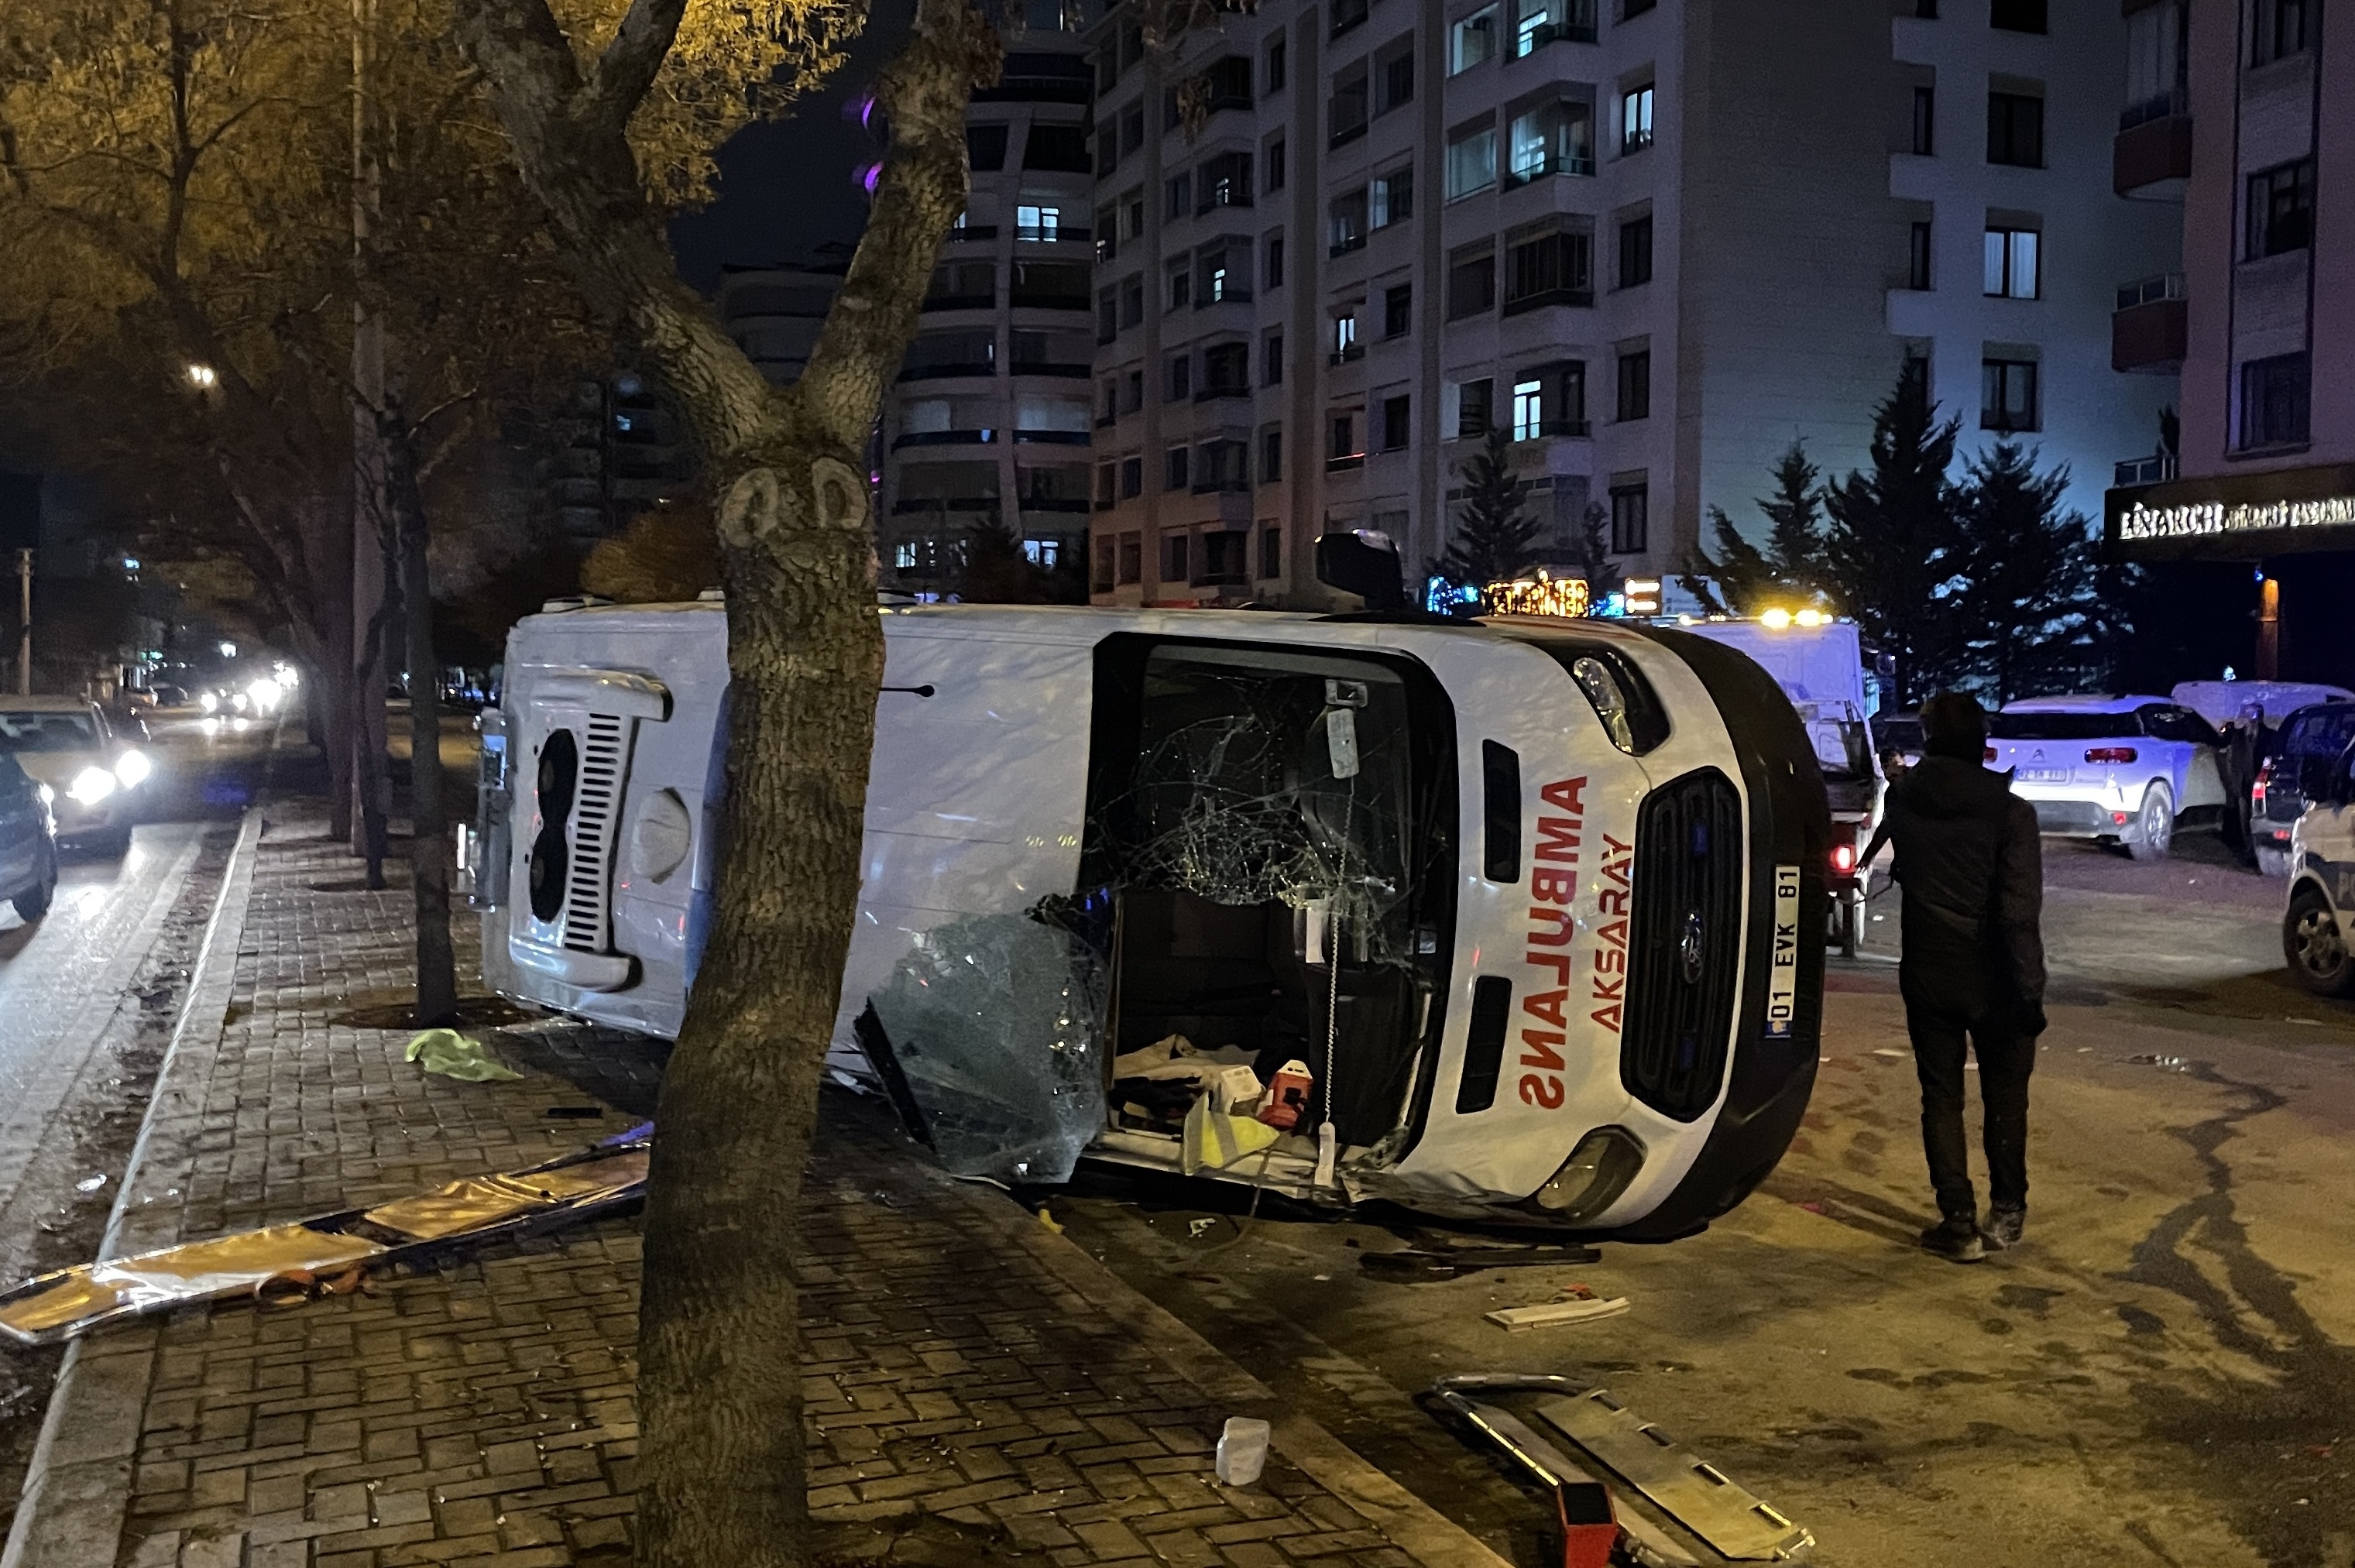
429,856
723,1474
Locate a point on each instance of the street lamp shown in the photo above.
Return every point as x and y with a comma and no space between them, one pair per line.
229,650
202,377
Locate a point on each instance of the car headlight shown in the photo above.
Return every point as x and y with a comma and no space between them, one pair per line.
132,768
209,702
1597,1171
91,785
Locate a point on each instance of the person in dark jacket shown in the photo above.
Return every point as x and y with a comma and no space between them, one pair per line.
1972,970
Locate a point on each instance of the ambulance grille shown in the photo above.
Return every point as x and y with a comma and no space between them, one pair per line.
589,885
1684,944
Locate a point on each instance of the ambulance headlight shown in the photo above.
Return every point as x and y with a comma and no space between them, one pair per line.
1597,1171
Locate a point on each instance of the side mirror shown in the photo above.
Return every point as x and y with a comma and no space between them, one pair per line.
1364,563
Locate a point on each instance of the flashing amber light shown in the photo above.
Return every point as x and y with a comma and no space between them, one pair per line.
2110,754
1774,620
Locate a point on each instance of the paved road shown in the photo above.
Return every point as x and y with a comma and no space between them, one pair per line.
2161,1375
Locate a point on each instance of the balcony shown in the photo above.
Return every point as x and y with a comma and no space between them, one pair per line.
1530,170
964,231
2151,158
1342,465
960,301
1578,298
1049,299
2156,469
954,368
1037,504
983,437
1055,233
1349,355
1053,368
1217,390
1051,437
1548,430
984,506
2149,331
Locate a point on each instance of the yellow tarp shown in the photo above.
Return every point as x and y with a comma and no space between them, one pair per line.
191,1273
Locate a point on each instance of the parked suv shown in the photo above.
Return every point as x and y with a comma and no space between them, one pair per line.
2322,883
2298,773
2119,769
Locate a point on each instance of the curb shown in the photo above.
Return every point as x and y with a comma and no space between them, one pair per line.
77,1486
1412,1525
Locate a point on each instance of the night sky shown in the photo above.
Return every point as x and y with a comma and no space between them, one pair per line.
786,185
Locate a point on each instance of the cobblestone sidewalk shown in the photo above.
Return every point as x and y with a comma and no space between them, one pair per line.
965,1363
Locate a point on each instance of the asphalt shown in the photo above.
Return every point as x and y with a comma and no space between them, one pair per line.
2160,1374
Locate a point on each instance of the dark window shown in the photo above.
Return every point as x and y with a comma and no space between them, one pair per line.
1926,120
985,146
1226,558
1223,465
1630,517
1484,1042
2281,210
1132,300
1229,79
1270,459
1226,181
1395,422
1636,384
1398,82
1349,222
1635,8
1132,129
1471,285
1547,269
1180,376
1107,315
1170,114
1107,149
1173,558
1174,469
1226,369
1275,261
1635,251
2281,30
1500,777
1179,285
1346,115
1926,10
2016,130
1398,310
1914,370
1271,372
1181,197
1103,564
1275,73
1343,437
1275,170
1346,14
2008,395
1917,264
2016,15
1057,149
1131,391
1476,398
1132,556
1271,547
2274,401
1132,485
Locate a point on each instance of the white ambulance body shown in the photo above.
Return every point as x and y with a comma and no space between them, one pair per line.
1556,977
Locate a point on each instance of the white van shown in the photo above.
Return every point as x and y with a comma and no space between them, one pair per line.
1525,897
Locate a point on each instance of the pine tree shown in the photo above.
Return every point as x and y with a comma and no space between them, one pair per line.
1496,536
1743,579
1891,542
1602,576
2030,605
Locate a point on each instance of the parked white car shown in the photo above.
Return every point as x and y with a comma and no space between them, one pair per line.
2119,769
1523,901
2315,924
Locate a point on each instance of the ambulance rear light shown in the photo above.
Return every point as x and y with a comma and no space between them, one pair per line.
1843,859
1988,756
1597,1171
2110,754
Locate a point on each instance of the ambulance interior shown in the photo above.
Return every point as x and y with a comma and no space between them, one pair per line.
1270,837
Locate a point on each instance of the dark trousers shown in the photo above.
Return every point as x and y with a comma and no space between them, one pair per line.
2004,1061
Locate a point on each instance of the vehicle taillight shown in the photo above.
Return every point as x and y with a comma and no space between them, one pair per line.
2110,754
2265,782
1843,859
1990,755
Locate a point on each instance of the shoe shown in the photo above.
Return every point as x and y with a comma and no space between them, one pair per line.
2003,1228
1956,1241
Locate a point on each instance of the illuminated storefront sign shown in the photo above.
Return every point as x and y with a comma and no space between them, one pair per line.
2211,519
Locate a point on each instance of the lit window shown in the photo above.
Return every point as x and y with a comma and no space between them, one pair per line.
1636,119
2011,263
1472,40
1528,409
1038,222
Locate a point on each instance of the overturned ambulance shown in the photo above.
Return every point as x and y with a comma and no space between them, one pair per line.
1522,917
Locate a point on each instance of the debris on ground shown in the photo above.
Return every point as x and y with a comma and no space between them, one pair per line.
329,1255
89,1184
1243,1450
1454,1262
459,1056
1688,1489
1576,1304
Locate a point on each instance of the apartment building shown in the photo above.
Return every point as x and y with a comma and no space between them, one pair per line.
2244,112
774,314
988,425
1655,240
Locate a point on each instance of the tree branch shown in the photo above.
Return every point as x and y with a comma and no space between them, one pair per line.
951,49
631,61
